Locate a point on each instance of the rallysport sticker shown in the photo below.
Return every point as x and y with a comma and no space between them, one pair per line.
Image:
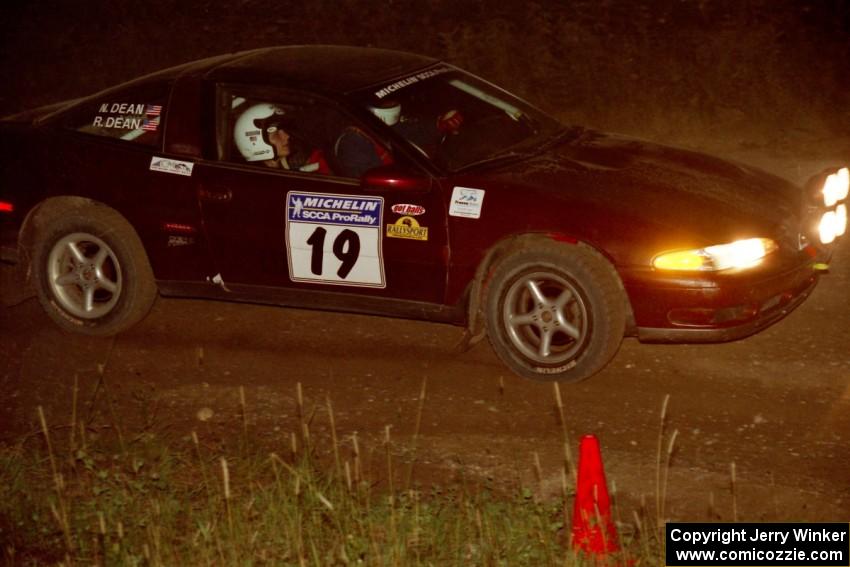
407,227
466,202
334,239
174,166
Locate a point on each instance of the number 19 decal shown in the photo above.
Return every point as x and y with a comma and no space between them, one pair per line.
346,248
334,239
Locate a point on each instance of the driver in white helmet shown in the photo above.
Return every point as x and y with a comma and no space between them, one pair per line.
264,133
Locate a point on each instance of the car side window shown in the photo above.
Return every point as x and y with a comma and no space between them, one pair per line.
135,115
289,134
300,136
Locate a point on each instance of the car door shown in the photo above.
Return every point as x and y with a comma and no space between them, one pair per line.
276,231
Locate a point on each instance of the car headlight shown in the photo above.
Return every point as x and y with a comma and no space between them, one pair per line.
833,222
835,187
739,254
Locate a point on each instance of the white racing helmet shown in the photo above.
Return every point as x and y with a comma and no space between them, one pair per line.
251,131
388,111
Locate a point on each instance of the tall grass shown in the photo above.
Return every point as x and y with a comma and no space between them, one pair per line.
95,498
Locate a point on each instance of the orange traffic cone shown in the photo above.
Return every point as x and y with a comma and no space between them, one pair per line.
593,530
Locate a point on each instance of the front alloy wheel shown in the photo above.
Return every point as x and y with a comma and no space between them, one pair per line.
546,318
554,311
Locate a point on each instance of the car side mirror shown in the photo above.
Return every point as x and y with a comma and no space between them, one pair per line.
394,178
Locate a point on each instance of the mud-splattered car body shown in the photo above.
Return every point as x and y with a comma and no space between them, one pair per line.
556,240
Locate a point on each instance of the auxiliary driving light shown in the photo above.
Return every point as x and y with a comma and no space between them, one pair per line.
833,224
835,187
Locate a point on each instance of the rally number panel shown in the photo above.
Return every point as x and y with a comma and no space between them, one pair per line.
335,239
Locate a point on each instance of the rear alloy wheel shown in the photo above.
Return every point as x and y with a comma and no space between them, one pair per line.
84,275
555,312
91,271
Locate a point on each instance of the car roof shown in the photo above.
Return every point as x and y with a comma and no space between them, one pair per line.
325,68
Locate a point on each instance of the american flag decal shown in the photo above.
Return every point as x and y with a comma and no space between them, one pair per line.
153,110
151,124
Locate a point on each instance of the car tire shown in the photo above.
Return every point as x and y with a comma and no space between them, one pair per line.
555,311
91,272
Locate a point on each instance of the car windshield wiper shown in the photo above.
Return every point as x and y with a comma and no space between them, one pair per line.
567,133
504,156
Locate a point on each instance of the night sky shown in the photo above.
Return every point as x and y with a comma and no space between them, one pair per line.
750,70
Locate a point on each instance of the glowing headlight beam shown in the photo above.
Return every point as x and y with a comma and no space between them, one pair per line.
828,229
833,224
740,254
841,213
836,186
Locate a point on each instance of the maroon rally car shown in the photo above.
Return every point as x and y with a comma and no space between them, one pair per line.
373,181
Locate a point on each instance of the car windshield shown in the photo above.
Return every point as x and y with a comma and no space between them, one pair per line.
456,119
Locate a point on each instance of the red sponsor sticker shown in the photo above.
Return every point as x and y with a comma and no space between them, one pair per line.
407,209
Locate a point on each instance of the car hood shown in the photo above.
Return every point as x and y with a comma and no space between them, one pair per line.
693,196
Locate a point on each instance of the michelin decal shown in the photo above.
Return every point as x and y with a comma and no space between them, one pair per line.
411,80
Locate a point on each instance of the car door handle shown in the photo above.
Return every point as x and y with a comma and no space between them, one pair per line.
215,194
